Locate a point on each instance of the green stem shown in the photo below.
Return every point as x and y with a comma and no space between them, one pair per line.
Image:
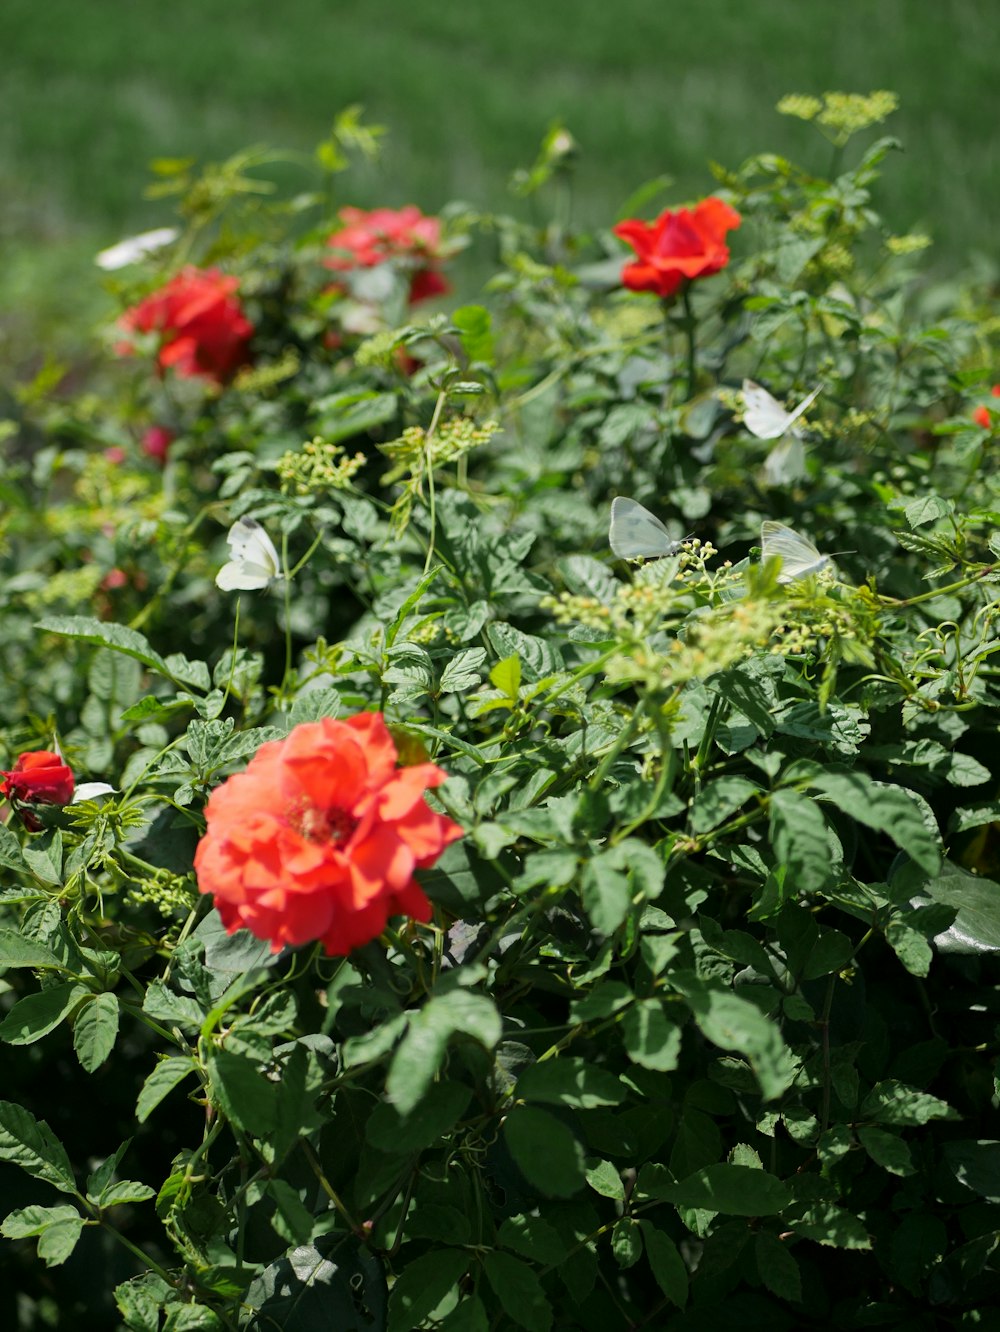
939,591
689,329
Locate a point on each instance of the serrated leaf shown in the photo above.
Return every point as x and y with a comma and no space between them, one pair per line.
95,1030
462,672
36,1015
737,1024
885,808
827,1224
11,856
718,801
519,1291
606,893
16,950
506,676
893,1102
31,1144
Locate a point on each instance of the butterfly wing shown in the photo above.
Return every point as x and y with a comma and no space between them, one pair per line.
636,533
764,415
255,561
799,557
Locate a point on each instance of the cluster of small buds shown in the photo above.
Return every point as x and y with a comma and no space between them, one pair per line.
912,243
317,467
842,114
381,349
168,893
453,438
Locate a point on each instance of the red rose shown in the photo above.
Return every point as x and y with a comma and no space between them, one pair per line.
319,837
981,415
368,239
681,245
37,778
201,322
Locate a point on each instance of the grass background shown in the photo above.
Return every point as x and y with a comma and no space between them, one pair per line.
92,90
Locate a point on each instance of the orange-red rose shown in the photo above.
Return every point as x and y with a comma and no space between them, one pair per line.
981,415
202,327
38,777
404,235
681,245
319,837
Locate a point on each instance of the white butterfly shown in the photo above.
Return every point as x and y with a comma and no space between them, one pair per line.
799,557
636,533
255,561
134,248
764,415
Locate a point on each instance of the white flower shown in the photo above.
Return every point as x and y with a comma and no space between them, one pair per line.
134,248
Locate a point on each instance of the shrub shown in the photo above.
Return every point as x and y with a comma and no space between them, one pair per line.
654,980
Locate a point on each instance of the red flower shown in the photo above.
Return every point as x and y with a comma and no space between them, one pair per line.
368,239
156,441
981,415
678,247
37,778
201,322
319,837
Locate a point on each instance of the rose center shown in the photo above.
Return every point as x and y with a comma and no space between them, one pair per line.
322,825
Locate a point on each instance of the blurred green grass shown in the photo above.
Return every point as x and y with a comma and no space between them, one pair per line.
92,92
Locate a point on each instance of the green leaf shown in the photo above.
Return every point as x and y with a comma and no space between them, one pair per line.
570,1081
36,1015
519,1291
421,1051
718,801
462,672
546,1151
95,1030
649,1037
886,808
606,892
626,1242
666,1263
119,638
886,1149
604,1179
801,841
976,928
737,1024
16,950
125,1191
31,1144
777,1267
533,1237
292,1220
506,676
893,1102
976,1165
733,1189
246,1097
161,1081
421,1287
434,1115
827,1224
58,1229
11,856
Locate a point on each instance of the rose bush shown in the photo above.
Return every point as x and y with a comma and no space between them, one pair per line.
695,1022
